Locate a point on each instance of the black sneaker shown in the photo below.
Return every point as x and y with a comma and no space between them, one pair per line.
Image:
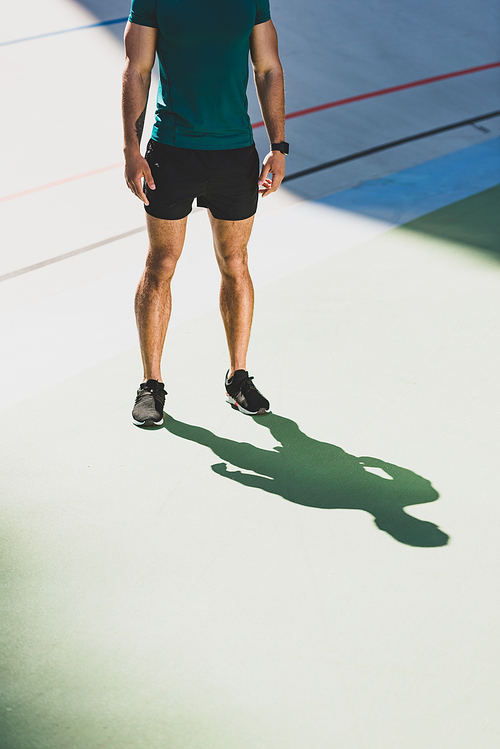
148,408
244,396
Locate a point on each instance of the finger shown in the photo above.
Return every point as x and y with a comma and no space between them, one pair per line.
263,174
132,186
265,186
139,191
270,185
277,179
149,177
271,189
132,182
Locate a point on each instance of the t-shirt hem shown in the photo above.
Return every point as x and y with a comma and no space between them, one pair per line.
203,143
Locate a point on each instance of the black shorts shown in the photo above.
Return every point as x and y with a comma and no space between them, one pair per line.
223,181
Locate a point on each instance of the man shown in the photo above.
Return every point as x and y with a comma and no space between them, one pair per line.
201,147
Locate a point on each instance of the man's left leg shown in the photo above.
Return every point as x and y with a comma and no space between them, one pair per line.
236,306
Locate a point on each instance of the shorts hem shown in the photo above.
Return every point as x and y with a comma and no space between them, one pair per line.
155,213
219,217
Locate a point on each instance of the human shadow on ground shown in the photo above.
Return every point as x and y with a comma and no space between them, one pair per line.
318,474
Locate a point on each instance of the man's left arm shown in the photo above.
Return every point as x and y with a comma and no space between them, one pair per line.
269,83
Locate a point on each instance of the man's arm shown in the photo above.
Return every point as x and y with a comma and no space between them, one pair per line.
140,47
269,82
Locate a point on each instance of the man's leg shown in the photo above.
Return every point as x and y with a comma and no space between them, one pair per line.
236,306
153,302
236,290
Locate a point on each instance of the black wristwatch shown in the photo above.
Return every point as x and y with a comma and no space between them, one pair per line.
283,147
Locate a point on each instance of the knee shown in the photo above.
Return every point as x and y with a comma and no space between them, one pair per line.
234,264
159,269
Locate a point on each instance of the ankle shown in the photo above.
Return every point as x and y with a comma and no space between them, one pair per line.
155,379
236,369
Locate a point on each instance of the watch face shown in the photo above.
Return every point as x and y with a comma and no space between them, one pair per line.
283,147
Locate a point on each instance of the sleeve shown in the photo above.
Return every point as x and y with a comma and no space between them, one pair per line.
263,11
143,13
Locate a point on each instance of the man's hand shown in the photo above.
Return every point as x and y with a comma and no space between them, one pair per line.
137,168
273,164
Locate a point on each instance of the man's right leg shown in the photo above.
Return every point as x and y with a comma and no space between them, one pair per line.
153,304
153,301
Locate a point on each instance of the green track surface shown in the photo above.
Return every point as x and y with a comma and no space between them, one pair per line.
474,222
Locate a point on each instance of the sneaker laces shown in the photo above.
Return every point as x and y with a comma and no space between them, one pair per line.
142,393
156,393
246,385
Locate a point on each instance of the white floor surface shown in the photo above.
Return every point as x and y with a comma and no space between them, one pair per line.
321,578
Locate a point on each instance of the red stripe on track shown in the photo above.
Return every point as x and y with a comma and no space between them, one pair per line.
383,91
59,182
291,115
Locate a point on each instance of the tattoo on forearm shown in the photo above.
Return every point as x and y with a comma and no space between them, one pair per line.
139,124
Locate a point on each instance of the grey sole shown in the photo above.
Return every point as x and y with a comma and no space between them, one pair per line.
147,423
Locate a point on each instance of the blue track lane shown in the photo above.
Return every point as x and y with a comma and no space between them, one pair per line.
410,193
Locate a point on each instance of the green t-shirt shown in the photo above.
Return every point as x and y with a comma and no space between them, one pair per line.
202,48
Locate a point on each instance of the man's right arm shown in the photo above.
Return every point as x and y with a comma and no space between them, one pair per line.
140,47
